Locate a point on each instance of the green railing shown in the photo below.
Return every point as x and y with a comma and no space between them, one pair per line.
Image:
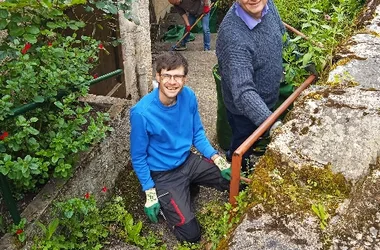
4,184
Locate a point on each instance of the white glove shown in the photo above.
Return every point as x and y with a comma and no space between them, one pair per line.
152,207
224,166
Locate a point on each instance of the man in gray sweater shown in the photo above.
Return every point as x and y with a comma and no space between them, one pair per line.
249,51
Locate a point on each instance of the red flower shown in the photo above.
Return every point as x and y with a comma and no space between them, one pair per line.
100,46
50,44
19,231
95,75
3,135
87,196
26,48
104,189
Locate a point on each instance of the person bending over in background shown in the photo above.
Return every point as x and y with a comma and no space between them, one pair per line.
165,124
249,51
190,10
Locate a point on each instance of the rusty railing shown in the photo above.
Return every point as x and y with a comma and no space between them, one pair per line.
238,154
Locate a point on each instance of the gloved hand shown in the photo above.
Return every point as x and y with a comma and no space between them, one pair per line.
188,28
152,207
224,166
275,125
206,9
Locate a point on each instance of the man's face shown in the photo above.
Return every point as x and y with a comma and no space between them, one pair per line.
253,7
171,83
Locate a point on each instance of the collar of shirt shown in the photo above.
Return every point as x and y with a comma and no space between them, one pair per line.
247,19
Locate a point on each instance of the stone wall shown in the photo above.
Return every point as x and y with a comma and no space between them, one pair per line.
302,205
136,50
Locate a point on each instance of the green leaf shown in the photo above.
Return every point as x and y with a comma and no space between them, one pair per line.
30,38
100,4
4,170
306,59
59,104
36,19
16,18
69,214
42,226
112,9
325,26
46,3
51,25
89,9
33,119
16,31
315,10
54,159
3,24
56,12
33,131
80,24
78,2
52,227
3,13
73,26
38,99
33,30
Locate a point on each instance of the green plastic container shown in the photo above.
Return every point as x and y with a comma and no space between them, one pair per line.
223,129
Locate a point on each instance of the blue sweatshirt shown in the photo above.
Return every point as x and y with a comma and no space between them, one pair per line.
161,136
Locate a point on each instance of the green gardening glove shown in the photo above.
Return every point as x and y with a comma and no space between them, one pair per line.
152,207
224,166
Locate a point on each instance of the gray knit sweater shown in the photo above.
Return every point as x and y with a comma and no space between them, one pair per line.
250,64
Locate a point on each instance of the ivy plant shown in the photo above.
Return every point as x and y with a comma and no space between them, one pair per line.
40,63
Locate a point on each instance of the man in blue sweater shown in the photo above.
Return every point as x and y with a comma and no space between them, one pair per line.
249,51
165,125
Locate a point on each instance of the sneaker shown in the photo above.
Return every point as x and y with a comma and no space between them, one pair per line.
181,47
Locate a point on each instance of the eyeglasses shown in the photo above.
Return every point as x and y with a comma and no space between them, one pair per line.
167,77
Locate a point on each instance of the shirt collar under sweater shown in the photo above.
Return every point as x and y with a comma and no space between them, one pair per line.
247,19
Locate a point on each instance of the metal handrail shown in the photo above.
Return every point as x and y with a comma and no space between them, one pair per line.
30,106
238,154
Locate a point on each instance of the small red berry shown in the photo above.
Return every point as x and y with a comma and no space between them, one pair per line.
3,135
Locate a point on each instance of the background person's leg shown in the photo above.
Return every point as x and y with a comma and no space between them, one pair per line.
206,32
192,20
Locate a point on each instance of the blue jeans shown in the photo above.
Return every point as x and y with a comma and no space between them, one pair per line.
206,30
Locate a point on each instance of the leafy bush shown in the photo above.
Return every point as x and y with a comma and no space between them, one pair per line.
39,63
325,22
79,224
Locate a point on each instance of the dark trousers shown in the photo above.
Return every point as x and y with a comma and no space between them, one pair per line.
173,190
242,128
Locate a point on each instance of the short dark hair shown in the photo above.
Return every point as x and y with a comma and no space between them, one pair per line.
171,60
